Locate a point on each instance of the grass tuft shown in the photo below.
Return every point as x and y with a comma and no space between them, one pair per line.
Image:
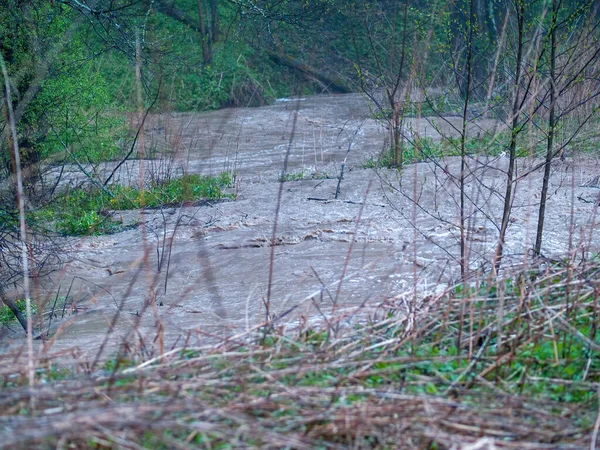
82,212
7,316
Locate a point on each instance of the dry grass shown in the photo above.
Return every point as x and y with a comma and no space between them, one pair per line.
524,375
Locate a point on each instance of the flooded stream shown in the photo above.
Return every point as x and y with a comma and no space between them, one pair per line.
208,266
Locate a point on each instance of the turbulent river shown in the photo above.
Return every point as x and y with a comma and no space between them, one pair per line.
190,274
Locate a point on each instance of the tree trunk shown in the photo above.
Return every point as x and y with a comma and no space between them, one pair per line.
464,260
551,126
513,136
397,143
174,13
395,103
13,307
463,137
206,47
12,168
214,21
333,84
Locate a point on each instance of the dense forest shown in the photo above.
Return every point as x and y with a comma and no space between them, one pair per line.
72,66
506,357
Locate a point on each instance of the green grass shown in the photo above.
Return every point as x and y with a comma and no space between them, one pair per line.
85,211
423,149
416,151
293,176
536,349
533,349
304,175
7,316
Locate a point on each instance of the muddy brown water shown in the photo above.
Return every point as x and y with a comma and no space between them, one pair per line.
384,237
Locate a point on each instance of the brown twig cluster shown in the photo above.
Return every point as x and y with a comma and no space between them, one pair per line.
398,380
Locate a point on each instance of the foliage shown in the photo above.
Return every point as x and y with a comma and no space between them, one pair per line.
79,115
304,175
86,211
423,149
61,96
7,316
227,81
417,150
297,176
237,75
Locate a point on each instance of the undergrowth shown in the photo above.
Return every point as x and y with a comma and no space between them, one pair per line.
421,149
7,316
512,361
304,175
87,211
